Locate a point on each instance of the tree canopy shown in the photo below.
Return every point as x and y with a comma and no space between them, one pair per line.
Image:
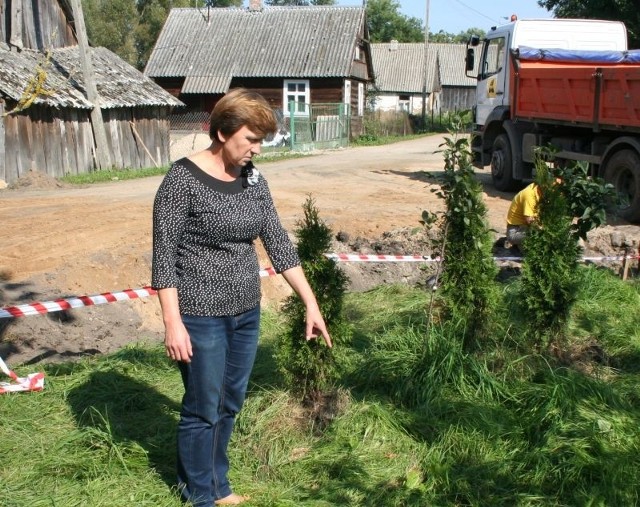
461,38
614,10
130,28
300,2
386,23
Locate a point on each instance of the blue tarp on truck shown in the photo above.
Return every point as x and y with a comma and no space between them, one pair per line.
577,55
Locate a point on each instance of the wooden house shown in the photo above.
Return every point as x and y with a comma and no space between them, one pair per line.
457,90
40,69
406,73
294,56
402,73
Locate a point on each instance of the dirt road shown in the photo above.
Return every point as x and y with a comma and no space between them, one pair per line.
70,241
363,191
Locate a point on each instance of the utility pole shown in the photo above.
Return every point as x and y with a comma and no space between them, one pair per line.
102,154
424,67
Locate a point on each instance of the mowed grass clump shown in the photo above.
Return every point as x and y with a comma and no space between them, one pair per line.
417,419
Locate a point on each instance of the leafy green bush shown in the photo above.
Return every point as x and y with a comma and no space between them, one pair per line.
587,198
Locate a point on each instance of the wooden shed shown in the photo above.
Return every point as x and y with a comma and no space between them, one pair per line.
458,90
401,72
51,131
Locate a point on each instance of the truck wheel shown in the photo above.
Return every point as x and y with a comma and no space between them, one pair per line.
501,165
623,172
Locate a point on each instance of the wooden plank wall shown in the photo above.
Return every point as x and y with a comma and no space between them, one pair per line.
3,175
35,24
60,142
138,137
457,98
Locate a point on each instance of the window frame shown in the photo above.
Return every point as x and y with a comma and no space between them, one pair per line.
306,94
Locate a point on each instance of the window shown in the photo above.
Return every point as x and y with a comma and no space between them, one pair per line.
298,93
360,99
493,57
403,103
346,98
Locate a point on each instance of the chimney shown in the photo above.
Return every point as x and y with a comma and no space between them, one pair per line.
255,5
394,45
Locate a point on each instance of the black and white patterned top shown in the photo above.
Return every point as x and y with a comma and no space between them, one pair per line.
203,234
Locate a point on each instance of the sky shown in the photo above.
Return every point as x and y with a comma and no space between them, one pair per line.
455,16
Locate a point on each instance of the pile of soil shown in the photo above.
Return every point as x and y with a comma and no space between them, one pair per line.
36,180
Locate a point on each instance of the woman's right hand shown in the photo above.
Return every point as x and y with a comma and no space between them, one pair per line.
177,343
176,338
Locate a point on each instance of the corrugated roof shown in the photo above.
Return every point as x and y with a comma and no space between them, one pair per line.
399,67
118,83
451,58
206,84
221,43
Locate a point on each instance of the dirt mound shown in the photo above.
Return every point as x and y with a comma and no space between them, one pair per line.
407,241
36,180
106,328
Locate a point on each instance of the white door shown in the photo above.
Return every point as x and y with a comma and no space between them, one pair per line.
492,88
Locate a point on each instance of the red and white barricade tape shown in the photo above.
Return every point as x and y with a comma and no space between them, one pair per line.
32,382
35,381
380,258
58,305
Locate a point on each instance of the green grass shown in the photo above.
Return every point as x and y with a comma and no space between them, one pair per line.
415,421
102,176
374,140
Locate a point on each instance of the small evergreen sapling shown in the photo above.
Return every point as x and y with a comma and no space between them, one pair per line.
468,277
550,266
308,366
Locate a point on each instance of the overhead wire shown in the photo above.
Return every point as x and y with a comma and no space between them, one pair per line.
493,20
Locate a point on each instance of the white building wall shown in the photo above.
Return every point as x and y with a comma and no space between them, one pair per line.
389,102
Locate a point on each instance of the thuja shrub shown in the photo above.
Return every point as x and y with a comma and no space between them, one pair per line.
469,272
549,279
309,367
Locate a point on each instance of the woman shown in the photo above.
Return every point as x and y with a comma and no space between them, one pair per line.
207,213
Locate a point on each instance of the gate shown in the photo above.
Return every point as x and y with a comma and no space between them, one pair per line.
324,126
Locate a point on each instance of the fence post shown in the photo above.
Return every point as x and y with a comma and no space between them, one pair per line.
292,124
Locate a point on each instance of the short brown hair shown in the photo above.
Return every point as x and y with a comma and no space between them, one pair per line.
242,108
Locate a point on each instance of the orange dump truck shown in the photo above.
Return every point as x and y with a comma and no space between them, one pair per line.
570,84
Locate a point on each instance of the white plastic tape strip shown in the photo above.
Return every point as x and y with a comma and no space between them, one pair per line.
32,382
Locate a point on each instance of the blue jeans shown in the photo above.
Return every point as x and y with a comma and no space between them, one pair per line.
215,383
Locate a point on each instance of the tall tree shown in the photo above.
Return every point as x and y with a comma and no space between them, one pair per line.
300,2
386,23
615,10
461,38
111,24
130,28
